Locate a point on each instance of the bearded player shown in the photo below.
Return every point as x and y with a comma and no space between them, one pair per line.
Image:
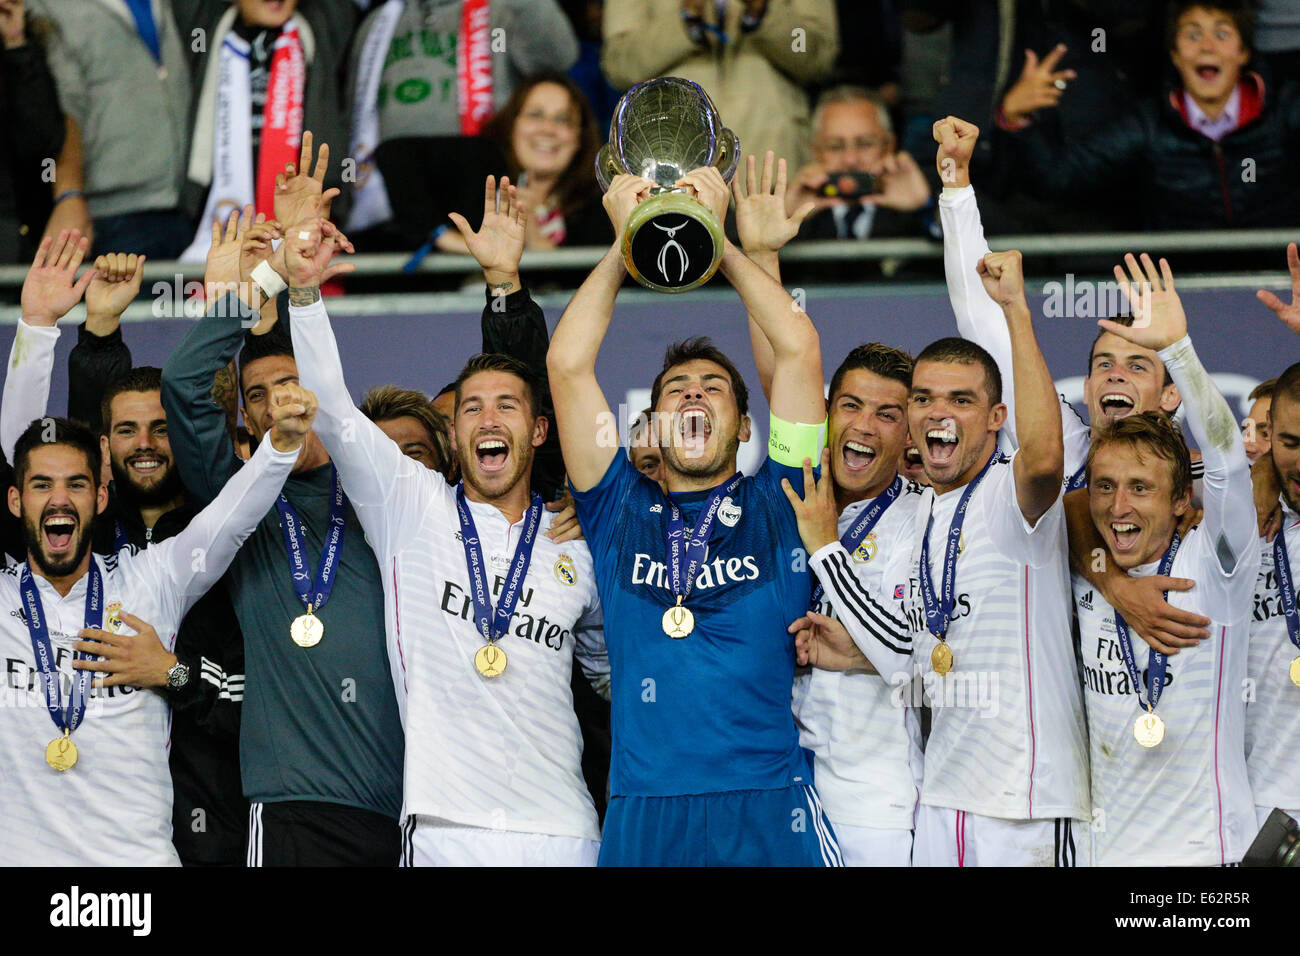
485,614
699,583
1168,733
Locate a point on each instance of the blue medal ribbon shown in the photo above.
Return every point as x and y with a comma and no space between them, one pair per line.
692,548
871,514
69,719
494,625
1079,479
1156,662
938,610
120,539
1286,585
314,594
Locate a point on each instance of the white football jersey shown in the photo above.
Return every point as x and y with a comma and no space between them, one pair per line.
114,807
1273,709
501,753
1187,801
1007,736
863,728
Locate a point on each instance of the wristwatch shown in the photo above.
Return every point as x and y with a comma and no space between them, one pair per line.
178,676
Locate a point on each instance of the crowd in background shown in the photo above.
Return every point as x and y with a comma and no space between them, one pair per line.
138,122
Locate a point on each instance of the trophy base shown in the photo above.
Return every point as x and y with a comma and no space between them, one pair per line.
672,242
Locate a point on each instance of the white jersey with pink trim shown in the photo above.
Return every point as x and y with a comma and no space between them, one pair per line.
1273,706
864,729
1007,738
1186,801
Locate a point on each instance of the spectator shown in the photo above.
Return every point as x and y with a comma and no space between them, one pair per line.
269,70
852,135
753,57
549,139
123,82
588,17
33,130
1214,152
408,70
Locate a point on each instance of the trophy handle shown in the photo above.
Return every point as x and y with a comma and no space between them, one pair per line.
607,167
728,154
672,242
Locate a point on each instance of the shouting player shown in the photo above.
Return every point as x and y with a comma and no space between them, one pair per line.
485,614
1167,734
698,584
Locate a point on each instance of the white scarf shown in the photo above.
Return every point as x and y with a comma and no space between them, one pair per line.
221,155
370,205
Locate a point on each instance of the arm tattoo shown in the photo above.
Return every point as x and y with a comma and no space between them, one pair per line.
304,296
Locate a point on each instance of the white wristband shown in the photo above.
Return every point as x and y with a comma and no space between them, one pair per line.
268,280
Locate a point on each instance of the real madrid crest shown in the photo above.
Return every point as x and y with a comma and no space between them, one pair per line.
113,616
866,550
565,572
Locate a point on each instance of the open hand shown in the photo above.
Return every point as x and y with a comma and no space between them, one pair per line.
300,196
498,244
815,512
51,288
136,660
761,218
1158,317
1040,85
1289,314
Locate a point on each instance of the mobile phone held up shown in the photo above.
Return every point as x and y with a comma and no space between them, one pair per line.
848,185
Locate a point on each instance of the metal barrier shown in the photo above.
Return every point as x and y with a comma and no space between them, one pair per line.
1271,241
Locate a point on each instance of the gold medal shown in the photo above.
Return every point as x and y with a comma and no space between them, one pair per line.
61,753
1149,729
1295,672
678,621
490,660
941,658
306,629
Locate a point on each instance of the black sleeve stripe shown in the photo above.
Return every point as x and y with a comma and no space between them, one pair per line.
849,596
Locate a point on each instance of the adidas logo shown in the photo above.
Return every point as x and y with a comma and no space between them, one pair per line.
1085,602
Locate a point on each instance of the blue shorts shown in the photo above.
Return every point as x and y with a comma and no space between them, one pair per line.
734,828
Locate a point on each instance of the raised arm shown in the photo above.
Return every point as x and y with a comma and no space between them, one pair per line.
1160,323
377,477
1039,465
50,290
513,324
798,390
196,424
582,413
100,355
764,229
979,318
194,560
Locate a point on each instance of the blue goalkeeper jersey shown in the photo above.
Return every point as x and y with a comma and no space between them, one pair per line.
709,712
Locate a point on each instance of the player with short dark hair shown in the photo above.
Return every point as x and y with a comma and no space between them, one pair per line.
706,765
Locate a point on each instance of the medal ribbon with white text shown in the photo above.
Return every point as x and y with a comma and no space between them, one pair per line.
314,594
70,719
691,548
1156,662
494,625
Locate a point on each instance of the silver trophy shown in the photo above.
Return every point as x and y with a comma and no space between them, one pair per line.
663,129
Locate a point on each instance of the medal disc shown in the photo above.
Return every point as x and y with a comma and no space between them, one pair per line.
941,659
1149,730
678,621
1295,672
490,660
306,630
61,753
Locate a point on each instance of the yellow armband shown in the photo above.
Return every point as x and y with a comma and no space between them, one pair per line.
789,443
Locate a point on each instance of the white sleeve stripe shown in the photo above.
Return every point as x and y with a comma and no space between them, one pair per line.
849,595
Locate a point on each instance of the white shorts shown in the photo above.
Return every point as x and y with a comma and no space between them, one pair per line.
427,841
1261,814
873,846
946,837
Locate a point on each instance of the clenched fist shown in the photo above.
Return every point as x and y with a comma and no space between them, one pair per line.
956,139
1003,276
293,409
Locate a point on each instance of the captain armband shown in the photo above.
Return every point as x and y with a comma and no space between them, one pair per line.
789,443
